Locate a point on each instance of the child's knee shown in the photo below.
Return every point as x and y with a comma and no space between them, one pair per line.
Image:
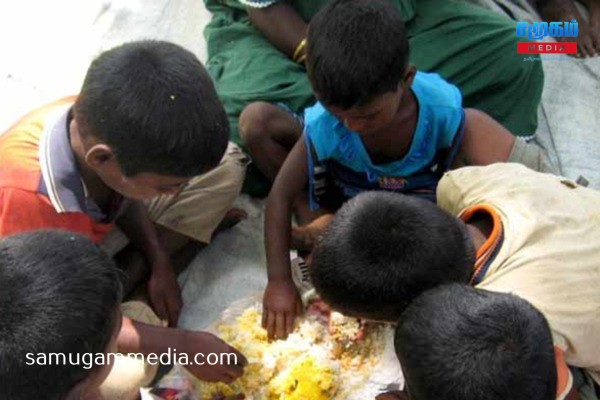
257,122
130,372
233,173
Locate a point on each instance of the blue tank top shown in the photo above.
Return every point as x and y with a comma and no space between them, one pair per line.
340,166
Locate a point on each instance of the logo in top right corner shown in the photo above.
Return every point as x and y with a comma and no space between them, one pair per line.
541,30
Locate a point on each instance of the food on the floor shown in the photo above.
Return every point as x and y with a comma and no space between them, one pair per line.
309,364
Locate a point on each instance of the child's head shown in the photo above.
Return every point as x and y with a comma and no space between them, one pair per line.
384,249
150,118
455,342
60,294
357,61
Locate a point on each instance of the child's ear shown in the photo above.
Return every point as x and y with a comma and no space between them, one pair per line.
409,75
98,155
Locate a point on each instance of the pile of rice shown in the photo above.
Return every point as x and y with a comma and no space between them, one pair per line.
307,365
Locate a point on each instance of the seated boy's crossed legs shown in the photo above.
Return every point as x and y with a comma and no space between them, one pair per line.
187,221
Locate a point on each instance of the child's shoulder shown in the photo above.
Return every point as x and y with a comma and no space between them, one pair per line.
20,145
440,108
19,148
318,116
24,135
434,91
323,130
320,122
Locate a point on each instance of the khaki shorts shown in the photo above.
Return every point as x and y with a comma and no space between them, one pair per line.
200,207
129,374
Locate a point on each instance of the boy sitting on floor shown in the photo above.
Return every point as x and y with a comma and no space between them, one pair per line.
502,227
145,145
49,279
379,125
59,293
455,342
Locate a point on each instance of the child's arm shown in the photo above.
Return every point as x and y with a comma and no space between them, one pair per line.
163,289
281,302
485,142
140,338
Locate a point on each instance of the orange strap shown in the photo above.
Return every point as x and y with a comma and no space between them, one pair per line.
487,249
564,379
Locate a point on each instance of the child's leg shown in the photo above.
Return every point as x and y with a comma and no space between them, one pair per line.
269,133
135,268
304,237
197,212
186,222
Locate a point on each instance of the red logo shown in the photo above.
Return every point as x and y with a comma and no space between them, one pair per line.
547,48
392,183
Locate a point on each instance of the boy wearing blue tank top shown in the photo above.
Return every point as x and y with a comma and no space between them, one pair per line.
379,125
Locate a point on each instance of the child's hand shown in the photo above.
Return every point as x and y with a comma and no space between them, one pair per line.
393,396
281,306
198,346
221,396
164,292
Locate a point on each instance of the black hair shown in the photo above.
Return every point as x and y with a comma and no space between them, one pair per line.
356,50
59,293
455,342
155,105
384,249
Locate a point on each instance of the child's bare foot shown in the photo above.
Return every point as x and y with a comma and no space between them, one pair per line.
304,237
231,219
301,239
588,43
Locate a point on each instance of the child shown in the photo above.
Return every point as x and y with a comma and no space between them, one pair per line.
455,342
59,293
502,227
256,52
145,141
379,125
